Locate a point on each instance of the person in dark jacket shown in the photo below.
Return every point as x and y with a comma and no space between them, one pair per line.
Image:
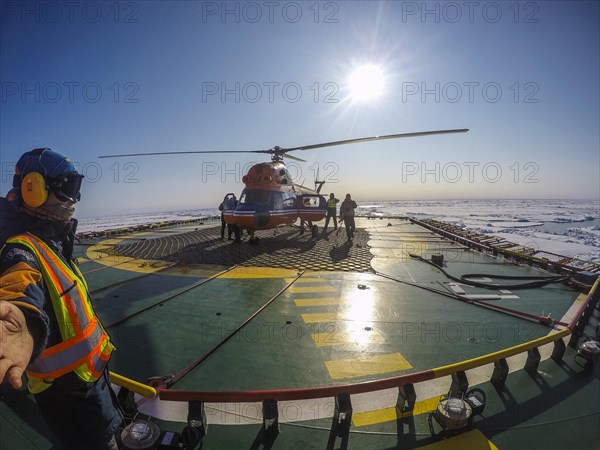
228,204
47,322
347,214
223,224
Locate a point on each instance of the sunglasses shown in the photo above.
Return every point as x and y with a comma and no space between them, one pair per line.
67,187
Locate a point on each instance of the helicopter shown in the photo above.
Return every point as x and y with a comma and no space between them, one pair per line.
270,197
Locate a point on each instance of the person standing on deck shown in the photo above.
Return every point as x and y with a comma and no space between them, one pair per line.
347,214
48,327
223,224
229,203
331,211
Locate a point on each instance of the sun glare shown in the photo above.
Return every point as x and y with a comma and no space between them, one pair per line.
366,83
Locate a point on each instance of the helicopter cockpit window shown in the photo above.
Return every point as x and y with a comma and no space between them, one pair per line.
278,200
289,200
310,202
255,197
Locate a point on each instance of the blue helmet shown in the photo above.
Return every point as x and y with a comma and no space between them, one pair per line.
41,171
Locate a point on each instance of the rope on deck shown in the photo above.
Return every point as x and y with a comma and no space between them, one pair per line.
187,369
160,302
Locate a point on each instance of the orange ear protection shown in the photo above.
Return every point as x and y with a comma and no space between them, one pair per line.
34,189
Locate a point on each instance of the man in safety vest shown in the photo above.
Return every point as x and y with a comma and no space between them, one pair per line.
48,327
331,211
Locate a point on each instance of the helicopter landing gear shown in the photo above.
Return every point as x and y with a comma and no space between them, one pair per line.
253,240
310,227
314,230
238,234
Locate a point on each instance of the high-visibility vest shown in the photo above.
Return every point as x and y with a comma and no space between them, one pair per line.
331,203
85,348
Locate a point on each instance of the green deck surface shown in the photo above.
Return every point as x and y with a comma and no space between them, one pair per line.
169,318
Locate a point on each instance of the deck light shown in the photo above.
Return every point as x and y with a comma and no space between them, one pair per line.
140,435
476,398
588,349
458,412
452,413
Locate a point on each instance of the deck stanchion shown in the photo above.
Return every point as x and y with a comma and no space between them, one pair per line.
342,415
197,416
197,427
500,374
126,401
587,312
533,361
558,351
596,298
460,383
576,333
406,397
270,418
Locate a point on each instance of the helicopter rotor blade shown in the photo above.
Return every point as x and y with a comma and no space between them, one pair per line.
184,153
294,158
375,138
279,152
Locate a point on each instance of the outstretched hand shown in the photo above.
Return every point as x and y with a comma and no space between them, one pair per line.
16,344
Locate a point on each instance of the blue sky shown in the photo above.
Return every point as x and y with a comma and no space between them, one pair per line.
98,78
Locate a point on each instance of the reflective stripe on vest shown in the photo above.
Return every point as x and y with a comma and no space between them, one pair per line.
331,203
85,347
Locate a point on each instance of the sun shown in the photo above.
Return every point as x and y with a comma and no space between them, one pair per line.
366,83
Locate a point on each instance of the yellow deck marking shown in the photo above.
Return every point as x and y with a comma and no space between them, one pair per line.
372,365
473,440
320,317
339,338
306,280
325,301
259,272
140,265
311,289
99,253
391,414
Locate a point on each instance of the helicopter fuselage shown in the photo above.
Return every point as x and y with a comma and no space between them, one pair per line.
271,199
